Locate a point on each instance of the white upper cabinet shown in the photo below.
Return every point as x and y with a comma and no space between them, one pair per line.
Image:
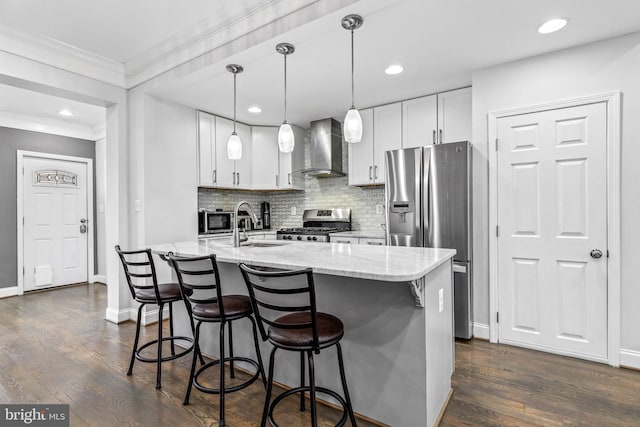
381,131
244,166
273,170
454,115
290,164
206,148
419,121
225,173
361,153
265,157
387,135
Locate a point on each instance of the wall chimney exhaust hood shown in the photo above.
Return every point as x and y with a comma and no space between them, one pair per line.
326,149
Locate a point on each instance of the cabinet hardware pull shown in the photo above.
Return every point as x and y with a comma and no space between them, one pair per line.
440,136
238,178
277,181
289,178
370,170
234,178
343,241
434,137
375,172
374,243
215,176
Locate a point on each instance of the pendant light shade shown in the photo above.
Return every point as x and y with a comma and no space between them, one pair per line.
234,147
286,139
352,127
234,144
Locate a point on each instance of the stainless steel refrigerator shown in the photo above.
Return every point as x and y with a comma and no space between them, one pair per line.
428,204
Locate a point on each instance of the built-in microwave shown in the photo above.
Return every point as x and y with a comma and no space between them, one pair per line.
211,222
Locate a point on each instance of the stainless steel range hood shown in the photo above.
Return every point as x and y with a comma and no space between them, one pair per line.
326,149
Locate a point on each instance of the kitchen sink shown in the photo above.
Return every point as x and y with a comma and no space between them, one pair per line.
261,244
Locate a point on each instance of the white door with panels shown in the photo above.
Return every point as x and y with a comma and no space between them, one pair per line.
55,235
552,230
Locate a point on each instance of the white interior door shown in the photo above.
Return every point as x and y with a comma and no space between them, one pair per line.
55,236
552,218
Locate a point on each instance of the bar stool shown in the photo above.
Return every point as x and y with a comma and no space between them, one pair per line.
139,270
199,280
301,329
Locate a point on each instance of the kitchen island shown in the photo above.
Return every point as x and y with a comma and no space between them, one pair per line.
396,306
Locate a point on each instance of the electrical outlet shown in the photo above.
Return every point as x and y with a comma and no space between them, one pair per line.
137,205
440,300
293,210
379,209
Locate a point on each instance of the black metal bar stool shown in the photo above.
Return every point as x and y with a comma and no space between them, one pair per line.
302,329
199,280
140,272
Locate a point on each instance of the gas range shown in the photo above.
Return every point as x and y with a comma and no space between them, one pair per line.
317,225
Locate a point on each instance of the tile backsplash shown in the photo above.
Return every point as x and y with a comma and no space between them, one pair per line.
320,193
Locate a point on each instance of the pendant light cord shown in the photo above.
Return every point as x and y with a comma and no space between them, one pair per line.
234,102
285,88
353,103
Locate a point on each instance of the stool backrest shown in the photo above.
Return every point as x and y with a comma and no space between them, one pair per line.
275,293
199,279
139,270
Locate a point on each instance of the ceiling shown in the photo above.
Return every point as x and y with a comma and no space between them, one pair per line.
439,43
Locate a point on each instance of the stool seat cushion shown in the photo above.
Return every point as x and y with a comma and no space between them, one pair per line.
168,292
234,305
330,330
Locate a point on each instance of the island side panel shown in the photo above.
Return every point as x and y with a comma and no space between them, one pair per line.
385,344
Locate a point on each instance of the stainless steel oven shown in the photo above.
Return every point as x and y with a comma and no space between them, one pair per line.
211,222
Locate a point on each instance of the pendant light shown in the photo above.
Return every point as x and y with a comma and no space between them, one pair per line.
352,127
234,145
286,139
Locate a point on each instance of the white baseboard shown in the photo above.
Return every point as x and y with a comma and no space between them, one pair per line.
116,317
630,358
150,316
98,278
480,330
8,292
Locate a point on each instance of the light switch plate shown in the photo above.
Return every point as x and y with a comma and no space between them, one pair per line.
137,205
293,210
379,209
440,300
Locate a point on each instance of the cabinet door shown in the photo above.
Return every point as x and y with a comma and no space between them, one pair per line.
225,173
244,166
372,241
387,135
206,148
419,121
454,115
265,157
349,240
293,162
361,153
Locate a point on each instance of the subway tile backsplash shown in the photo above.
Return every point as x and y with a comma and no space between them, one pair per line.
320,193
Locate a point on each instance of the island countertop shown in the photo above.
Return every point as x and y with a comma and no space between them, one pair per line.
385,263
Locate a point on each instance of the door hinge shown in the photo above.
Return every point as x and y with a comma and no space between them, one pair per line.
497,230
607,253
496,144
497,317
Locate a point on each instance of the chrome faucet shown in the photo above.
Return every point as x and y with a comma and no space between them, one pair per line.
236,234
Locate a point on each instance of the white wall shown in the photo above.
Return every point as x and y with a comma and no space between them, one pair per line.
100,197
600,67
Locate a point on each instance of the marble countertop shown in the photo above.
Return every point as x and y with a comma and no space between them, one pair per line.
386,263
360,234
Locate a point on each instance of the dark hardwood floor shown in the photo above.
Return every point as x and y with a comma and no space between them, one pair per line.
55,347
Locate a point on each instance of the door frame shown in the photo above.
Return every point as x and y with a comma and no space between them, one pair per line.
21,154
613,105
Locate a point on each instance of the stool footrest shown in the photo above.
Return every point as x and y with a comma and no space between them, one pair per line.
245,384
166,358
296,390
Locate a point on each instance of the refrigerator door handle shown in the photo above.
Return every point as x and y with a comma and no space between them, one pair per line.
459,268
434,137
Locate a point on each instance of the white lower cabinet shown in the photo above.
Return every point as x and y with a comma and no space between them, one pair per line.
351,240
377,241
372,241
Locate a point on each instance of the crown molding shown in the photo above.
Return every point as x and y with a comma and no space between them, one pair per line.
51,126
60,55
207,36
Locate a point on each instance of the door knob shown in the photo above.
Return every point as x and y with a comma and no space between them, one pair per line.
84,220
596,253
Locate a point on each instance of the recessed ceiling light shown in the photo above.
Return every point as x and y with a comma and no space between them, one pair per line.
66,113
255,109
552,25
394,69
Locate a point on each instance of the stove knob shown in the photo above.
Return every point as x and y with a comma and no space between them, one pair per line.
299,237
289,237
308,237
315,238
